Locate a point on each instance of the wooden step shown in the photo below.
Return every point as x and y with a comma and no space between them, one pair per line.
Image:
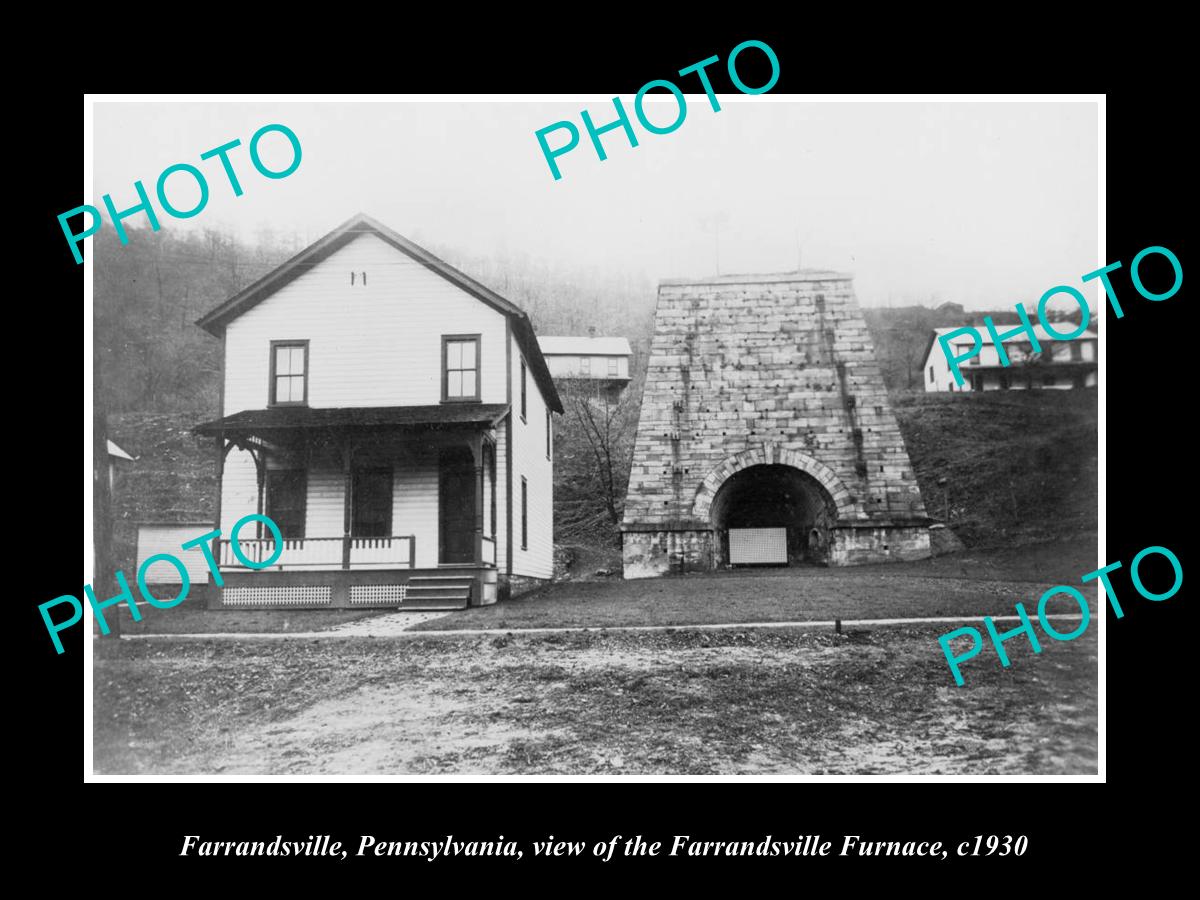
448,591
420,603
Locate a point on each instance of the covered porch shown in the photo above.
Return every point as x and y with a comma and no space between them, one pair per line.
375,506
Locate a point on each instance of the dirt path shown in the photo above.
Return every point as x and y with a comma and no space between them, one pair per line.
403,625
690,702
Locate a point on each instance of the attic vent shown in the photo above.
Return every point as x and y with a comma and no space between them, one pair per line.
362,275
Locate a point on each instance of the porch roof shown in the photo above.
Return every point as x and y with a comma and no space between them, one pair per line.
300,417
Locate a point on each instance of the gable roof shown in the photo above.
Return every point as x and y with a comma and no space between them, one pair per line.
986,336
117,453
216,321
584,346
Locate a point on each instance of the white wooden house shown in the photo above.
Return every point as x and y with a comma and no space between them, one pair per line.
599,359
394,418
1058,364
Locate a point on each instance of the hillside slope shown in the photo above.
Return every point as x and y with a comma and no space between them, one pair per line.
1005,467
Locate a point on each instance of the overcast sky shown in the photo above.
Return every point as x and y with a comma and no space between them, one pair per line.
985,204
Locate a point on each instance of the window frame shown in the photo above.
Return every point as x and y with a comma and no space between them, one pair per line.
524,390
447,339
268,492
273,384
585,365
614,367
524,513
549,432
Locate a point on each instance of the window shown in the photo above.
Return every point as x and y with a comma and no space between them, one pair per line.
931,373
1076,351
460,367
289,373
585,365
287,491
613,367
524,514
371,503
548,430
523,374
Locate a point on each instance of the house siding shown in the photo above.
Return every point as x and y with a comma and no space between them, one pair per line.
942,378
169,539
536,560
568,366
377,344
239,491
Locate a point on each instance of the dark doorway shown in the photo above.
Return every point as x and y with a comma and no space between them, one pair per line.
456,506
772,515
372,503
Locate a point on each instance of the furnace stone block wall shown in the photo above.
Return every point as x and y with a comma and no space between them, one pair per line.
778,365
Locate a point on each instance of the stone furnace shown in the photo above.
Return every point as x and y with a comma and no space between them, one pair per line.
765,434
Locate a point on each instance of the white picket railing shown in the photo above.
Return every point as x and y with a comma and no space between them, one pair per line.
397,551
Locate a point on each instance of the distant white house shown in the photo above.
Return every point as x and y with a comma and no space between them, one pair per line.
116,456
587,358
1060,365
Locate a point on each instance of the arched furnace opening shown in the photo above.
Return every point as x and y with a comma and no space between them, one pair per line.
772,515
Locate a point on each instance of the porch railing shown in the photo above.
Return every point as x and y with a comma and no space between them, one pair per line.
397,551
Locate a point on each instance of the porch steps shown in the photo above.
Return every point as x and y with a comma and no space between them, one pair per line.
438,592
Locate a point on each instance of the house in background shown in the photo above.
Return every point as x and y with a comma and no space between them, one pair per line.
394,418
602,361
116,457
1060,365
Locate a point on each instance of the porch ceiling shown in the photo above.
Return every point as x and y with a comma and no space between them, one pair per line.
304,417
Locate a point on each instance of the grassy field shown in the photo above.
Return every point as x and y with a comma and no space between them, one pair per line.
962,584
967,583
188,618
1005,467
738,702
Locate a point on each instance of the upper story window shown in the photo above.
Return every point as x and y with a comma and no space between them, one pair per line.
585,365
289,373
524,371
613,369
460,367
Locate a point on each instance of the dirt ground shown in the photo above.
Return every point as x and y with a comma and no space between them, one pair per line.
736,702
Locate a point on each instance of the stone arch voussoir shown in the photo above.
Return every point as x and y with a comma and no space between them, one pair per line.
767,455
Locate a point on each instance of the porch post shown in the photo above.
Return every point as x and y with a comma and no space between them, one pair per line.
260,468
348,480
477,450
216,542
